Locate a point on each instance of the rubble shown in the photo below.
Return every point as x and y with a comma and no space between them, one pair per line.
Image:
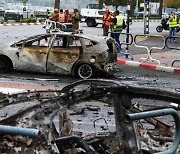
88,116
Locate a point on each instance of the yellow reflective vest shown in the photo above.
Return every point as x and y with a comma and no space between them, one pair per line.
119,23
173,23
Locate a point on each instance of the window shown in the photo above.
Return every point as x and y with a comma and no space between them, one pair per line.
41,41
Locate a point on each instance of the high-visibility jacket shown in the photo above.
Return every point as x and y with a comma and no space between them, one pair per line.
173,22
118,26
107,19
61,17
67,18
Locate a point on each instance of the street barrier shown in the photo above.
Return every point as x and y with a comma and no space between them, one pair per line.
149,50
172,47
119,48
56,26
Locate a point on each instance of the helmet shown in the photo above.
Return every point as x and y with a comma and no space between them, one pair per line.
56,10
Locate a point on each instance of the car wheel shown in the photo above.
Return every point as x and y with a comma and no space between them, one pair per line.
5,64
159,29
91,23
85,71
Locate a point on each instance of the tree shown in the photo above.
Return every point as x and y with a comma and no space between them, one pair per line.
24,2
172,4
57,4
160,7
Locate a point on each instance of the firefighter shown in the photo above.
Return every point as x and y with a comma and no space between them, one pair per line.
55,15
106,22
75,19
67,16
61,16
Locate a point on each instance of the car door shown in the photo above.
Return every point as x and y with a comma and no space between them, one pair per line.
33,54
63,54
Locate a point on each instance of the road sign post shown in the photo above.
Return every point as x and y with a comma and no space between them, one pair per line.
146,16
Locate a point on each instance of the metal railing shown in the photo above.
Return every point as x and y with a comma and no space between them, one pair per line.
49,24
149,50
119,48
172,47
157,113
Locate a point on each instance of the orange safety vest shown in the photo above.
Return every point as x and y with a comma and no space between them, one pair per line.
107,19
61,17
67,18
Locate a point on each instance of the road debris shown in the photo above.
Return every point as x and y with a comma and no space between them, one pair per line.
90,119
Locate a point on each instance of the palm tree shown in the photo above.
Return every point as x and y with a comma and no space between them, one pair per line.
57,4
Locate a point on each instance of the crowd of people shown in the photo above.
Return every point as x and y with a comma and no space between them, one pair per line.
59,15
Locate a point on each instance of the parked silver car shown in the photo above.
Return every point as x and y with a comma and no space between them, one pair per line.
60,53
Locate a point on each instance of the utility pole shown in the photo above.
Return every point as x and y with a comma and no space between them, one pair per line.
127,30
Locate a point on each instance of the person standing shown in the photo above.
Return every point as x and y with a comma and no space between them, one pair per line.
55,15
48,14
75,19
106,22
67,16
172,25
117,26
61,16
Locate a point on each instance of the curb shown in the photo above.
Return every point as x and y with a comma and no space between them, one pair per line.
149,66
21,24
149,20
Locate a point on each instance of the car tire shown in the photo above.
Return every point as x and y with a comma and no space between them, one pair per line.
85,71
159,29
5,64
91,23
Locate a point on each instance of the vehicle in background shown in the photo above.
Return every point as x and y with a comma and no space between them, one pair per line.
94,17
165,15
17,13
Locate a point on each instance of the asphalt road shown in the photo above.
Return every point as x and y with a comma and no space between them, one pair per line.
127,75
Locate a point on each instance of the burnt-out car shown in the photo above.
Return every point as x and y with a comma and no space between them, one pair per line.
60,53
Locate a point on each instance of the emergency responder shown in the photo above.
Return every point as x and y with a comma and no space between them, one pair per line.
172,25
67,16
48,13
55,15
61,16
75,19
106,22
117,26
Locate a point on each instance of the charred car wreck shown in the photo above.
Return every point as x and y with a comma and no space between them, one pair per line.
61,53
89,116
